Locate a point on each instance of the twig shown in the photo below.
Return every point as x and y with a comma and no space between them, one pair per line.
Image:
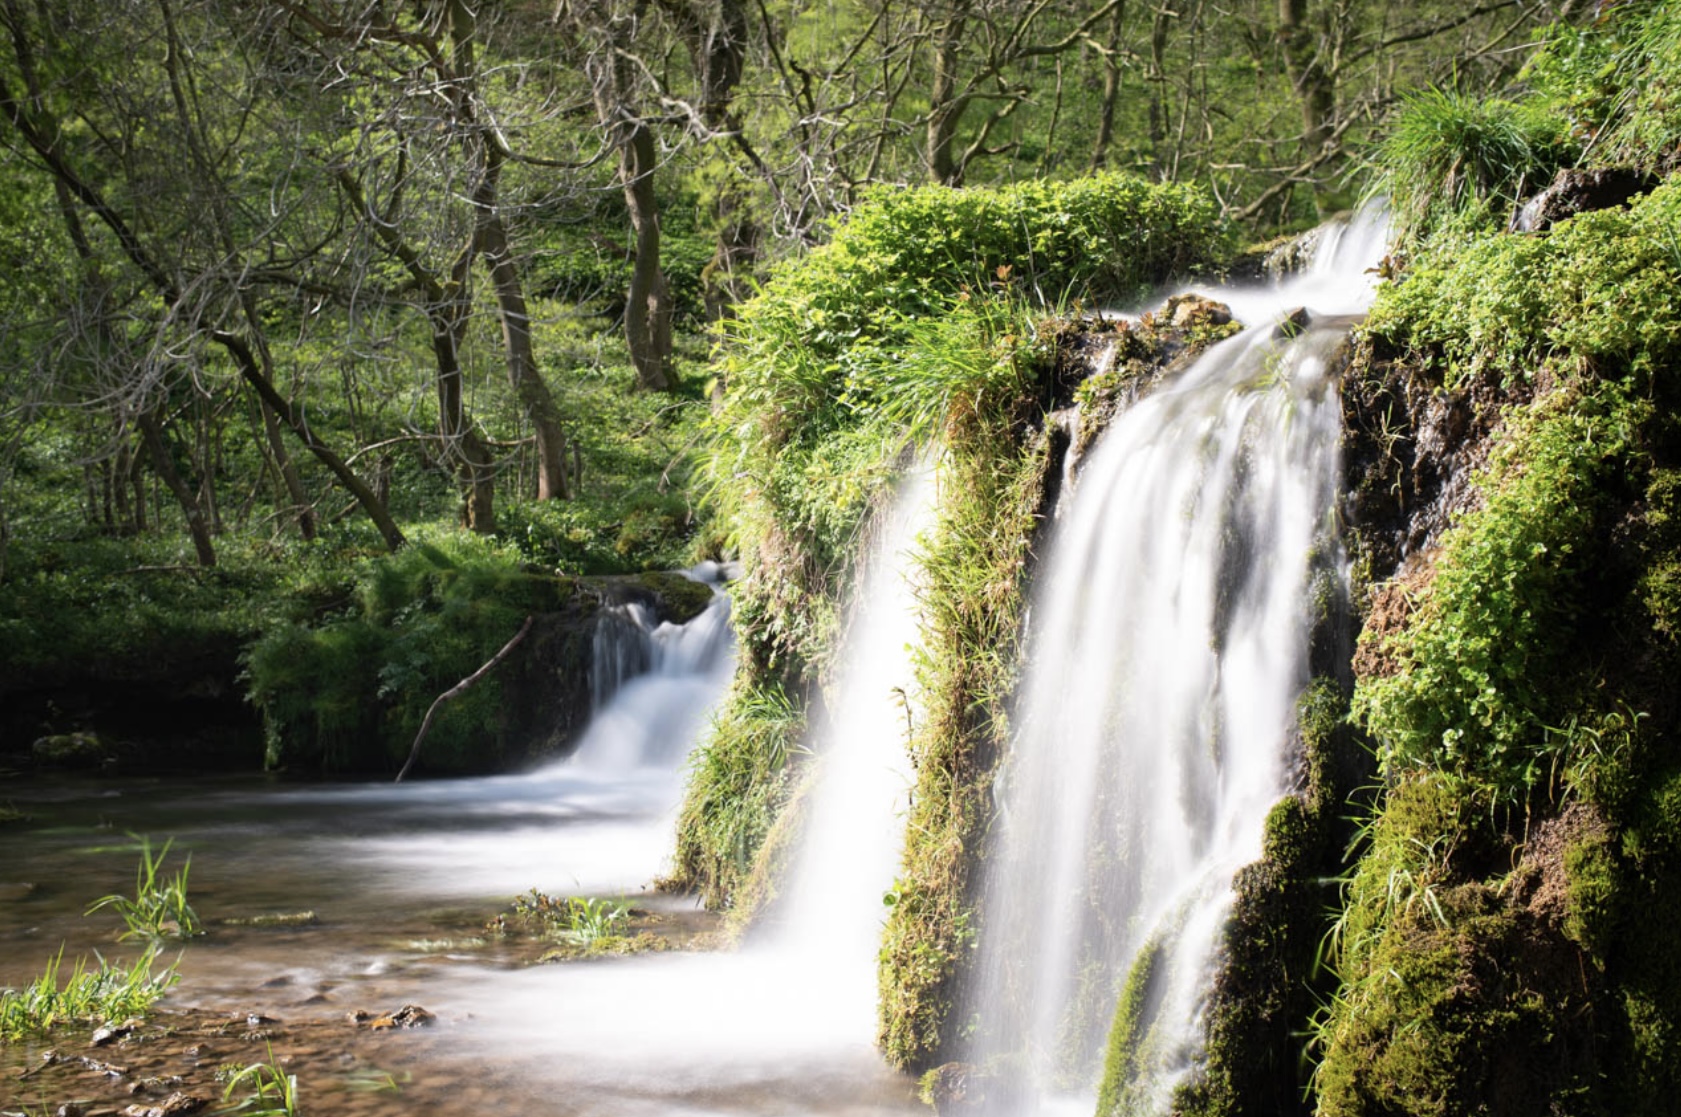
457,689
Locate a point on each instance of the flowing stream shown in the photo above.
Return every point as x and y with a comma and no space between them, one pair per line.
1167,646
398,881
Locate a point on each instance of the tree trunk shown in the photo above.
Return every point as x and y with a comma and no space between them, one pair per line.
716,38
253,374
151,432
289,478
648,311
1314,84
945,112
491,236
534,396
1111,92
462,445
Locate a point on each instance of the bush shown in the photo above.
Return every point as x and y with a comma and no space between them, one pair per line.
1459,158
351,693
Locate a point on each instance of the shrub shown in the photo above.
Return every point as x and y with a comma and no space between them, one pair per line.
1459,158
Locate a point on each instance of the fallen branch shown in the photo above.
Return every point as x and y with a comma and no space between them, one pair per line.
457,689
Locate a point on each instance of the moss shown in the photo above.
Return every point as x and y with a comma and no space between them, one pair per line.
918,323
1129,1034
1269,977
739,780
976,569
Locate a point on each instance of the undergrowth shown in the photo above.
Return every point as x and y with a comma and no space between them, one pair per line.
1507,935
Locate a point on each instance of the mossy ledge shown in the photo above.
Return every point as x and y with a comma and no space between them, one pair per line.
920,323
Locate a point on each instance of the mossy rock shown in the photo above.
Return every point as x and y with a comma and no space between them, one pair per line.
71,750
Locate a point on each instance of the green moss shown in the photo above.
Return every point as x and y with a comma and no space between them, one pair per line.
975,567
1602,287
1129,1034
1509,576
920,322
739,780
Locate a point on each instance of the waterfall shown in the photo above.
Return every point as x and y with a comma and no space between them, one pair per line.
853,834
794,1007
652,685
1167,648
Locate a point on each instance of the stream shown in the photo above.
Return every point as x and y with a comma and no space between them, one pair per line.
367,897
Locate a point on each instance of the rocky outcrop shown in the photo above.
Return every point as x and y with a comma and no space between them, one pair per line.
1579,190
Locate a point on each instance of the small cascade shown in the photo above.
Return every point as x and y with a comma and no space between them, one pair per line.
699,1033
652,684
1167,649
621,649
853,835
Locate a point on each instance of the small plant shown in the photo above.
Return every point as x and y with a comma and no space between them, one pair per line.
577,919
268,1091
108,992
159,908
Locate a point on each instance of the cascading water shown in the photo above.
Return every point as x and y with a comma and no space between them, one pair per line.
653,684
1168,647
784,1024
853,834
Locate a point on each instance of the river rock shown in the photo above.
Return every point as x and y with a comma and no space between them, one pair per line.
409,1016
69,750
175,1105
111,1033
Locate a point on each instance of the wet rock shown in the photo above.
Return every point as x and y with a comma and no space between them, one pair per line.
111,1033
1293,323
175,1105
409,1016
70,750
964,1090
1578,190
1189,311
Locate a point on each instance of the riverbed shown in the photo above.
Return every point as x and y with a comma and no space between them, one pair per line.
326,900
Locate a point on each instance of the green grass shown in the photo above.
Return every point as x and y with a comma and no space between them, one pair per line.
262,1090
104,992
159,908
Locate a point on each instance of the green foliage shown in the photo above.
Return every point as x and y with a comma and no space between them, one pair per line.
159,907
921,307
1463,700
125,607
351,692
263,1090
1603,288
582,920
1129,1035
1616,81
975,566
739,779
106,992
1459,159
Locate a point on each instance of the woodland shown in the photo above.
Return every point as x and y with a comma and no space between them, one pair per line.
337,338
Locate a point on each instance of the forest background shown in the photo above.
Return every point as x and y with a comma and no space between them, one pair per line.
292,285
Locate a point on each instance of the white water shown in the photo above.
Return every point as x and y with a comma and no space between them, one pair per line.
654,686
1168,646
854,826
785,1024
